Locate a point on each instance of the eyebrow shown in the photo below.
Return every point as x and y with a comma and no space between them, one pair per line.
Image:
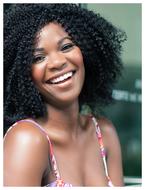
38,50
64,38
59,42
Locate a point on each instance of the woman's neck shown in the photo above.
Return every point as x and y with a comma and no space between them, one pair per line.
65,119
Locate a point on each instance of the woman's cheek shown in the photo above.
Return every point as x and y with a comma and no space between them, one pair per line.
37,72
77,56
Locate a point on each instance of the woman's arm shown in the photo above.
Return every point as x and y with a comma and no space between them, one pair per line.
25,156
113,148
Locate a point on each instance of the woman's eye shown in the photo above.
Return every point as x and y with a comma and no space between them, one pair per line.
67,47
38,59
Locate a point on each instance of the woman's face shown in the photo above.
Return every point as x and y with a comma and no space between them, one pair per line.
58,68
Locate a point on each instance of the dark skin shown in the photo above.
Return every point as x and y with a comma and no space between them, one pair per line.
75,145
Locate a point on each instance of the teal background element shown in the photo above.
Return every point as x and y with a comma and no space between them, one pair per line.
126,112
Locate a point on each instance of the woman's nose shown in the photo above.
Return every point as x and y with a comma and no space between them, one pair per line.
56,61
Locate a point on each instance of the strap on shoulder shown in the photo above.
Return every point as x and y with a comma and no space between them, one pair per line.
50,144
103,151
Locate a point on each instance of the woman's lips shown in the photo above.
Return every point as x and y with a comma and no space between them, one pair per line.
62,78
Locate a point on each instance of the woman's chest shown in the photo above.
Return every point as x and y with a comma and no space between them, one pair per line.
81,164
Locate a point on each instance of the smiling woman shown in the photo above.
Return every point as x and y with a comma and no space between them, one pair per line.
56,58
57,66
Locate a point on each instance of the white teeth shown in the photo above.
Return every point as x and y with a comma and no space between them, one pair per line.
61,78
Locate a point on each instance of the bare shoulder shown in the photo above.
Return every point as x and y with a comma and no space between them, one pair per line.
26,153
25,132
109,133
106,125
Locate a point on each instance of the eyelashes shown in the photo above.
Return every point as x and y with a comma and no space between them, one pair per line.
38,58
67,47
64,48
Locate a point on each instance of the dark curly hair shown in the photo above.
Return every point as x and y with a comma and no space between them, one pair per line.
99,41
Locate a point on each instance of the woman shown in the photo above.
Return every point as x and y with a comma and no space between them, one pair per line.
58,57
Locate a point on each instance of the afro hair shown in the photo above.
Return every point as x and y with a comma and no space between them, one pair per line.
99,41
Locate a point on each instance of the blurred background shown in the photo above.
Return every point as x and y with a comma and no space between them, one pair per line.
126,112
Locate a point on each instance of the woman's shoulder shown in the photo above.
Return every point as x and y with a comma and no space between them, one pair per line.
25,132
108,131
105,124
26,154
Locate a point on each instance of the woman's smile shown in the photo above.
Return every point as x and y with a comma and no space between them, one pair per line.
58,68
63,83
61,79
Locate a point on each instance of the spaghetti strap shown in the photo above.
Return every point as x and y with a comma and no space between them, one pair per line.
53,160
103,151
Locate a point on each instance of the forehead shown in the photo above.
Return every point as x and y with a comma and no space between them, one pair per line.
51,32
